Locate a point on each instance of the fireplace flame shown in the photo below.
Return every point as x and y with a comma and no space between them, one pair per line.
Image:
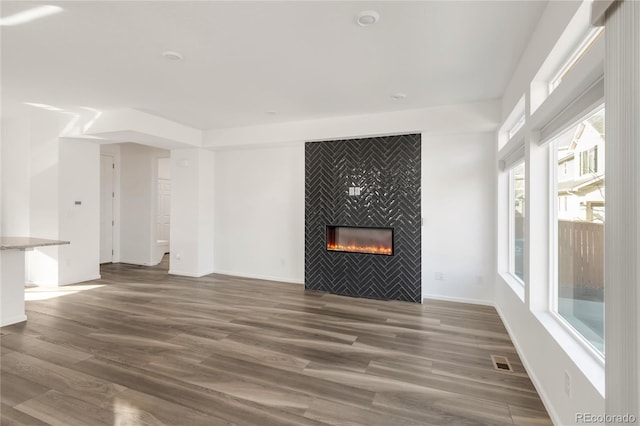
360,249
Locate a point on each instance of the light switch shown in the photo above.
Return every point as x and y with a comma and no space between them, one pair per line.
352,191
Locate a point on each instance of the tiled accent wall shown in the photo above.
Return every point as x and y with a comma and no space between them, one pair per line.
387,169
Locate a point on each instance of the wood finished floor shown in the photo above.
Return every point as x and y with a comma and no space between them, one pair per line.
147,348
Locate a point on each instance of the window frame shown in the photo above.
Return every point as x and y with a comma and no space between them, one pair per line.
511,247
553,237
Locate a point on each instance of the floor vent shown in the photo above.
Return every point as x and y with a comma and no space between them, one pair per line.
501,363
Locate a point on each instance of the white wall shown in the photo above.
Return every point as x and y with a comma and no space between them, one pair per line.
260,195
42,176
192,212
43,265
206,212
164,168
259,219
15,139
79,181
457,207
135,204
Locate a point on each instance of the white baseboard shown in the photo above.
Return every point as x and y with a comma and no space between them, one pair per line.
188,274
458,299
13,320
259,277
135,262
534,379
82,280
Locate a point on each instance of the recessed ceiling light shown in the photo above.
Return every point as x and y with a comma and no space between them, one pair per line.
399,96
367,17
171,55
29,15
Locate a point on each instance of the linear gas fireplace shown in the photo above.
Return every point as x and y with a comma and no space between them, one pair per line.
353,239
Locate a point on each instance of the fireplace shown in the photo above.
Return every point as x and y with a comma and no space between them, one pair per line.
367,240
362,217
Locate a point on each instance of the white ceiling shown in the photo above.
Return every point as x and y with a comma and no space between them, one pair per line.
242,59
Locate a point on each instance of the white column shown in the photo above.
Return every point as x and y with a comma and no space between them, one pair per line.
622,229
192,212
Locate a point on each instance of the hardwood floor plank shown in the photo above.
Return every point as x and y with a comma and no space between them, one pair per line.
529,417
444,408
44,350
335,413
221,406
9,416
297,382
21,389
62,409
135,408
143,347
86,387
242,387
4,351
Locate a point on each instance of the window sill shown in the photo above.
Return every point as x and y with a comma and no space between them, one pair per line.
587,359
515,283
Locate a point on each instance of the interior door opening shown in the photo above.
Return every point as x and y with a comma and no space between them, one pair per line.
164,207
106,208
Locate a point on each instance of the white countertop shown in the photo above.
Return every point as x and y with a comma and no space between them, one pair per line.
23,243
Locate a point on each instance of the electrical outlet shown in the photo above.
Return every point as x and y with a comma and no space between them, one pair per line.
438,276
567,383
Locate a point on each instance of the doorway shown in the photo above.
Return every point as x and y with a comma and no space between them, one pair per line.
164,207
106,208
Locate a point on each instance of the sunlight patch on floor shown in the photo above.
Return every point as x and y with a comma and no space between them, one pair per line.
46,293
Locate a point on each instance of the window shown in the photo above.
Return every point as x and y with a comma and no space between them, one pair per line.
589,161
516,127
517,215
592,36
514,122
580,215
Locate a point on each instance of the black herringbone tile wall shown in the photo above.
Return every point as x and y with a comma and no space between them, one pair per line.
388,171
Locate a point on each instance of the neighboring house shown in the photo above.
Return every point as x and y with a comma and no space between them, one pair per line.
581,173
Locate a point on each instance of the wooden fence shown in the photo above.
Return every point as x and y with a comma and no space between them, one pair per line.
581,254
